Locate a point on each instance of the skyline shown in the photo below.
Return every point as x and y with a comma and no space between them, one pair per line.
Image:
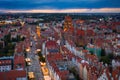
60,6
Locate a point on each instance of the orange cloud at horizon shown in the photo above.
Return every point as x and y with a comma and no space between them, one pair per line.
100,10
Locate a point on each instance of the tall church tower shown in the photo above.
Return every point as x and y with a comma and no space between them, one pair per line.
68,23
68,28
38,31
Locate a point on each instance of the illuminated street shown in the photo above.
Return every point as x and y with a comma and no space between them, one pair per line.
35,66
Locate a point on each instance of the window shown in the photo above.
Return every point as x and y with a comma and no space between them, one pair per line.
104,78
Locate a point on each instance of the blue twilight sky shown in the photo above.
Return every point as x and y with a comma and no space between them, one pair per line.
28,5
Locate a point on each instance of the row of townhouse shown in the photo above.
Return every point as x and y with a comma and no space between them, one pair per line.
90,66
5,64
13,68
57,67
87,64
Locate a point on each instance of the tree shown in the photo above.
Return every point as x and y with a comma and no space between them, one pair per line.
105,59
91,52
74,71
115,31
103,52
111,56
7,39
41,58
8,50
25,53
18,38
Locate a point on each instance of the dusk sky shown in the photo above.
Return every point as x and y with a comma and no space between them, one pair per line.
51,6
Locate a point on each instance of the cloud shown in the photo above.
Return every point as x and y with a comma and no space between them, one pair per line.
101,10
57,4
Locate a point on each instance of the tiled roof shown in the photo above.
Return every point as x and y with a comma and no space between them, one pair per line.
19,59
63,74
5,62
68,18
115,74
19,47
54,57
84,51
12,75
90,32
71,42
103,27
92,57
99,42
1,35
49,43
79,21
80,32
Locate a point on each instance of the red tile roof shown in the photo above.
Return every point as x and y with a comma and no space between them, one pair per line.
80,32
1,35
19,47
84,51
71,42
103,26
54,57
68,18
71,29
63,74
12,75
91,57
19,59
51,44
115,74
5,62
90,32
79,21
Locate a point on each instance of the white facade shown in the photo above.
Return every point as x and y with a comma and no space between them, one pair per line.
22,78
74,50
43,48
103,77
14,35
115,63
5,68
85,73
53,74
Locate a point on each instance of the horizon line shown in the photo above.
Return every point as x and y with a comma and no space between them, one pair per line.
78,10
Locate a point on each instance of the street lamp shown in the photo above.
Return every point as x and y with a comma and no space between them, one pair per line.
38,50
28,49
